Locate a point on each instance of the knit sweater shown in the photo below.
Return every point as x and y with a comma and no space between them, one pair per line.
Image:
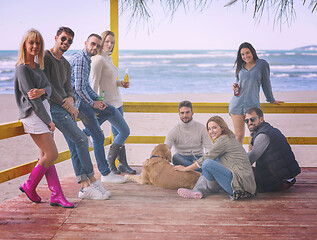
188,138
250,83
232,155
26,79
104,76
58,73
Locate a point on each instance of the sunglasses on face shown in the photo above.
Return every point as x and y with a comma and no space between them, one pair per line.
251,119
63,39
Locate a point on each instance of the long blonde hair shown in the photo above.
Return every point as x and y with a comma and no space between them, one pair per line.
222,124
31,34
103,38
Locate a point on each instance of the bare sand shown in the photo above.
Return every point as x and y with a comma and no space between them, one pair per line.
21,149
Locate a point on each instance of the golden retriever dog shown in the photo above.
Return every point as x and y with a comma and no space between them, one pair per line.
159,171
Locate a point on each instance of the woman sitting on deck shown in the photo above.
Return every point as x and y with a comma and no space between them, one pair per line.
225,165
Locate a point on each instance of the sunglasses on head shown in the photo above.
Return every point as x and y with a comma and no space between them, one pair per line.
251,119
63,39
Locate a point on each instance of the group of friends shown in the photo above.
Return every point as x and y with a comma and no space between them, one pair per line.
269,166
53,92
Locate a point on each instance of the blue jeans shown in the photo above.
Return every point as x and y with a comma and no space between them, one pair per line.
214,171
77,143
185,160
119,127
113,129
87,115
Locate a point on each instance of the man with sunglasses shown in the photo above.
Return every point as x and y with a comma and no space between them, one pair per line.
276,167
64,114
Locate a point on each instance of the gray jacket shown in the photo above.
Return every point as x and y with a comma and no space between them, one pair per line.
26,79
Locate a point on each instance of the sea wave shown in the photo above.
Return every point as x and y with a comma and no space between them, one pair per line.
290,53
211,65
282,67
142,63
6,90
179,55
311,75
292,67
6,71
182,65
307,67
3,79
309,54
281,75
7,63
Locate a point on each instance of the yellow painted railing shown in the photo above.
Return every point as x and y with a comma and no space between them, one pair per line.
16,128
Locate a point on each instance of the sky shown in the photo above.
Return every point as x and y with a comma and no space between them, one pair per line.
217,27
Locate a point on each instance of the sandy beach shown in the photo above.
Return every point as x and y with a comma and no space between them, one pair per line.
21,149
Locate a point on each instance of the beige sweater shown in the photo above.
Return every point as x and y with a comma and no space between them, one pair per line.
232,155
188,138
104,76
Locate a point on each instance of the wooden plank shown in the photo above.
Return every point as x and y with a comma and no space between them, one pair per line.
161,139
12,129
201,107
26,168
15,129
147,212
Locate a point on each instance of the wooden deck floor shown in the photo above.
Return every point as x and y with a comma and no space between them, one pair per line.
148,212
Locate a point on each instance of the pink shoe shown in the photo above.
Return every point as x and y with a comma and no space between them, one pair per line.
187,193
57,197
30,185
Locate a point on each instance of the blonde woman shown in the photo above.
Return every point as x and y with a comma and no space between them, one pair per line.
32,91
104,81
225,165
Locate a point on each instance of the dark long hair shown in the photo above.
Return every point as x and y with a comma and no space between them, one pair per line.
239,62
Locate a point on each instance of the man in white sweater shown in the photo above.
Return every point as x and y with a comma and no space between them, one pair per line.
188,137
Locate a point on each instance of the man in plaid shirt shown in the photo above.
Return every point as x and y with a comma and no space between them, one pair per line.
88,105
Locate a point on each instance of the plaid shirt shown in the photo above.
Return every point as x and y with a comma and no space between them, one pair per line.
80,63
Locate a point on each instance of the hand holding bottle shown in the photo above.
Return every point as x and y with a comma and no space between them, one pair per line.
236,89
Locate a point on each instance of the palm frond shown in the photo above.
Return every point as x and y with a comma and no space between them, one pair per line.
282,10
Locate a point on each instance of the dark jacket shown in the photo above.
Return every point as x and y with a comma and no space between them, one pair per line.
277,163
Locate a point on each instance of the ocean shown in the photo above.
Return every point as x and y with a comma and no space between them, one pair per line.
193,71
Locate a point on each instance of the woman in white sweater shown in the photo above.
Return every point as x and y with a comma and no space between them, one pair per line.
104,81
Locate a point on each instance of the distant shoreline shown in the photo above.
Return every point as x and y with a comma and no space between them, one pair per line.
303,48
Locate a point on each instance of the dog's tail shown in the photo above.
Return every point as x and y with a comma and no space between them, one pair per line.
134,178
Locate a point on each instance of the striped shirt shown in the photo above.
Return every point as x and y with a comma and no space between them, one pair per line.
80,64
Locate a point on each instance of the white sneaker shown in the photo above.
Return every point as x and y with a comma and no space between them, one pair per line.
97,184
92,192
112,178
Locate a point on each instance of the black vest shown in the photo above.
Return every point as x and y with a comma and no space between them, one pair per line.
277,163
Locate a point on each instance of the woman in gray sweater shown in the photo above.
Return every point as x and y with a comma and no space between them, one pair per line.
225,165
251,74
32,91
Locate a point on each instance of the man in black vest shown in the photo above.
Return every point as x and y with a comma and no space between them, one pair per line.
276,167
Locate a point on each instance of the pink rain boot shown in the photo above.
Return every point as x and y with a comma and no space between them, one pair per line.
30,185
57,197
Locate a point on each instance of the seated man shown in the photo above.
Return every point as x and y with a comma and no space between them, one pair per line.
188,137
276,167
